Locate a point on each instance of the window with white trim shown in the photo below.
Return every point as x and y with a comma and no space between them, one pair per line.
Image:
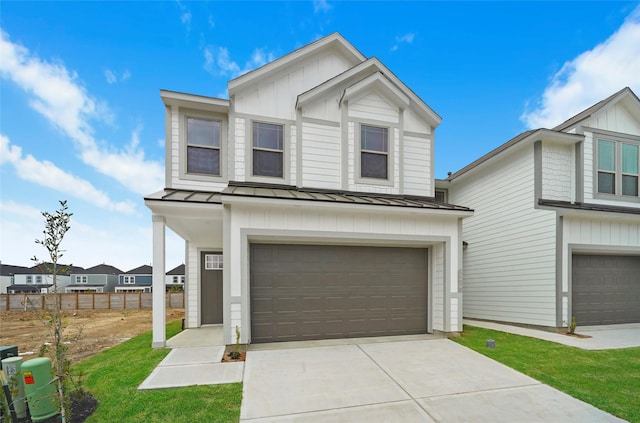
212,262
267,149
203,146
38,279
617,168
81,279
374,152
129,280
175,279
29,279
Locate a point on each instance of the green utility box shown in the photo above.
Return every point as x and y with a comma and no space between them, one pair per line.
12,366
41,393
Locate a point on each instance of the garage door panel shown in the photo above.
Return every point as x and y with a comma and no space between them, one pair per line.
336,291
605,289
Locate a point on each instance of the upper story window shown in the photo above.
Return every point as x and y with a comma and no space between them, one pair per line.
81,279
374,152
268,149
29,279
441,195
203,146
129,280
38,279
617,168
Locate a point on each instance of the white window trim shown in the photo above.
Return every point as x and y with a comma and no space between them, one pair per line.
128,280
391,143
286,153
81,280
184,114
216,264
618,139
29,280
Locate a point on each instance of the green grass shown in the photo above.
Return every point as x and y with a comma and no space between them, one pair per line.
607,379
113,377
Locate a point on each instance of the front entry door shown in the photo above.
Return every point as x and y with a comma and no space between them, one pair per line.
211,288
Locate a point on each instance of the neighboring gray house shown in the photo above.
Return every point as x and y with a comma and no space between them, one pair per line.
100,278
135,280
7,272
556,229
307,204
175,278
39,278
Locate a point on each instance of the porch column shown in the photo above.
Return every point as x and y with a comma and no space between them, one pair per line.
159,295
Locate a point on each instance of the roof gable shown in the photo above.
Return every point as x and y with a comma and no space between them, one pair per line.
626,94
145,269
332,41
178,270
361,73
101,269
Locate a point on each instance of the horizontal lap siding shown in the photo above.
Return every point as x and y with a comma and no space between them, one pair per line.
509,263
372,106
321,152
557,168
417,166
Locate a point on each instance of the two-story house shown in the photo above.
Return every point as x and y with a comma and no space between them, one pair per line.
99,278
136,280
175,278
7,274
39,278
306,202
556,229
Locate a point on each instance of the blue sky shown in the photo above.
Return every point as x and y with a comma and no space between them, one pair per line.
81,118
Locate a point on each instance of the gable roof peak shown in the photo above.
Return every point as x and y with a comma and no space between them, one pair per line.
613,98
334,39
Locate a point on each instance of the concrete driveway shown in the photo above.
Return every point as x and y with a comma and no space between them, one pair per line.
408,381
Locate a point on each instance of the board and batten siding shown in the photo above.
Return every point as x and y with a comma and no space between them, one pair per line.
321,156
328,226
509,272
557,171
416,166
276,97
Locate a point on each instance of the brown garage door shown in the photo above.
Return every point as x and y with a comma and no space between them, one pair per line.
302,292
606,289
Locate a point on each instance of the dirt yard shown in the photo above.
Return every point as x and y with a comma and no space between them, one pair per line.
88,331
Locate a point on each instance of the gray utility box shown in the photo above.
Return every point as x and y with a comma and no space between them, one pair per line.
8,351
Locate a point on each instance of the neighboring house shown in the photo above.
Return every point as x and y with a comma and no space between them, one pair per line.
39,278
7,272
175,278
136,280
307,206
556,229
100,278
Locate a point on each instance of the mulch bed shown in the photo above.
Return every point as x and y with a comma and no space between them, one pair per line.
226,358
83,405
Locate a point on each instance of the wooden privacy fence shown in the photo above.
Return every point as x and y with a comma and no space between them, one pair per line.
88,301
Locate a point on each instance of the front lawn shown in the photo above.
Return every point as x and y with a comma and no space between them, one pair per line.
607,379
113,377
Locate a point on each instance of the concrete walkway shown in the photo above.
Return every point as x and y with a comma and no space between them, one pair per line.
409,381
598,337
195,359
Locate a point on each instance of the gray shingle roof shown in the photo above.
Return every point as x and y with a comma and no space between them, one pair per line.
145,269
178,270
100,269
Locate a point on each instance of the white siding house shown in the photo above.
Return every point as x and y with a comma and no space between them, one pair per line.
556,229
306,202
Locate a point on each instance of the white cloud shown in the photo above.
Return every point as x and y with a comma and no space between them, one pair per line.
403,39
321,6
590,77
217,61
48,175
57,94
112,78
185,15
18,209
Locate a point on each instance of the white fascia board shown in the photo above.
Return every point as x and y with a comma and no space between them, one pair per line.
381,83
261,201
333,40
182,208
193,101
